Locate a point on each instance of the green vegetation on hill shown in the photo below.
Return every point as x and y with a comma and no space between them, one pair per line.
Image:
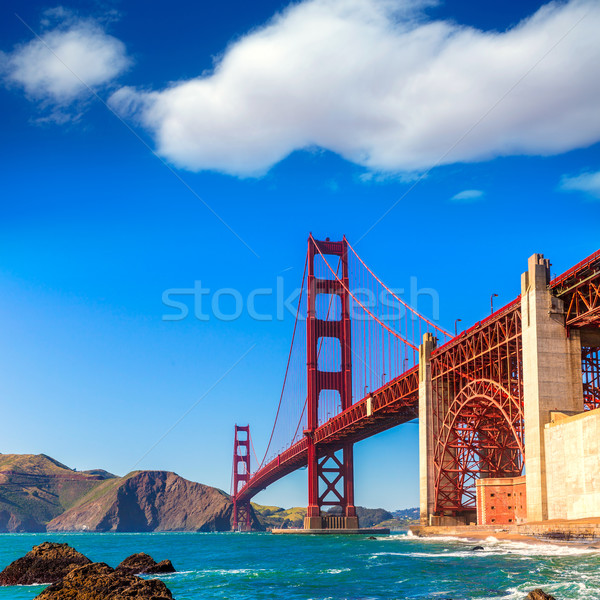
32,464
35,488
274,517
279,518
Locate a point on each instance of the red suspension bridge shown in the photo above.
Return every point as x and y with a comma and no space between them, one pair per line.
365,361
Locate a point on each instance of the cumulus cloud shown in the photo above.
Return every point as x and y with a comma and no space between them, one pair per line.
386,89
467,196
56,68
588,183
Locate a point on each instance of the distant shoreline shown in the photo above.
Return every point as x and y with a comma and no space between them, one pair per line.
506,536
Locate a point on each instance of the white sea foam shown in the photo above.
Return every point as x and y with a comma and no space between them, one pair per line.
461,548
493,544
555,589
233,571
335,571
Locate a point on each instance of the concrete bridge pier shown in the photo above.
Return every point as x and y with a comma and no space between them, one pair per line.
552,377
426,481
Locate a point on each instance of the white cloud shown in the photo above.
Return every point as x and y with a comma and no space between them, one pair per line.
588,183
467,195
387,90
51,69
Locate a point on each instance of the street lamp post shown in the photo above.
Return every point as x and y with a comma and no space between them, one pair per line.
455,326
492,302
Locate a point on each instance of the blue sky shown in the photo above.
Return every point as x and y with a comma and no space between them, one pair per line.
448,141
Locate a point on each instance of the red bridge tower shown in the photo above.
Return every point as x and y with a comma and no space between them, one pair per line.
330,470
241,474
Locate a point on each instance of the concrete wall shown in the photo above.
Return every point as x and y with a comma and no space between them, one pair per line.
552,378
426,483
573,465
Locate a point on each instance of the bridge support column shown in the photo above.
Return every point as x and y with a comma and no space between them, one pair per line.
426,480
313,518
552,377
330,471
242,517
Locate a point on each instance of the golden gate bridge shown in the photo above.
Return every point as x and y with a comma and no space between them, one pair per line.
362,360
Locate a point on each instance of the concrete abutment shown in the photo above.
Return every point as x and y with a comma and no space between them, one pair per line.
426,476
552,379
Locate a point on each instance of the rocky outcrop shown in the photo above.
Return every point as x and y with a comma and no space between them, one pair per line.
98,580
47,563
539,594
143,564
149,501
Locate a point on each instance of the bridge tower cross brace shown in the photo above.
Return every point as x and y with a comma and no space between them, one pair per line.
242,519
330,478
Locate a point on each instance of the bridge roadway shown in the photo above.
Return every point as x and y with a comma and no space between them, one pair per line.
397,402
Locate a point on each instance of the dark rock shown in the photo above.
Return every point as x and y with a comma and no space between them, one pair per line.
98,580
46,563
539,594
474,548
371,537
144,564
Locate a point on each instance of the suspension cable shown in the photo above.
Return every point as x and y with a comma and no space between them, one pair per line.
318,354
286,369
408,306
300,420
253,450
395,333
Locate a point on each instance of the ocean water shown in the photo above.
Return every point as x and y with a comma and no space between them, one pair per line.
238,566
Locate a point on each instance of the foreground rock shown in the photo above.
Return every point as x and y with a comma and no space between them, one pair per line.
539,594
98,581
46,563
143,564
149,501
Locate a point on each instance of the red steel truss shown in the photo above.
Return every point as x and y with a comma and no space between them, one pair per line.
590,361
477,409
579,288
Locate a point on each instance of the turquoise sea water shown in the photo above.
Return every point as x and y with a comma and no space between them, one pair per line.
260,565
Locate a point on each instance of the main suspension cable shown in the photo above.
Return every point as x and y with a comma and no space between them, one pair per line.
395,333
408,306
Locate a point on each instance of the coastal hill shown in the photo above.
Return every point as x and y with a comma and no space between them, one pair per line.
36,488
275,517
148,501
38,493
